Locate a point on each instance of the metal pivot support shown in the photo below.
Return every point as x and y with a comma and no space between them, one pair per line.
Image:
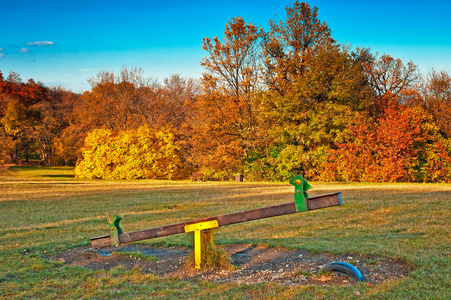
115,229
198,228
300,192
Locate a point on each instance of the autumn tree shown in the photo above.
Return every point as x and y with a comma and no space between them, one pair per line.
225,121
17,129
32,117
130,154
55,115
402,144
353,160
390,79
310,80
168,104
304,148
125,101
437,94
334,74
114,100
390,75
129,100
290,45
304,66
19,114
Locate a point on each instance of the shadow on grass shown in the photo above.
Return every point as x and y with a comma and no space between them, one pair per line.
59,176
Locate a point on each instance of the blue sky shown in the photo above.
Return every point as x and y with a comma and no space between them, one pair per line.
66,42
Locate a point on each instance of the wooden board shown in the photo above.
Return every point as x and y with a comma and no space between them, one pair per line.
313,203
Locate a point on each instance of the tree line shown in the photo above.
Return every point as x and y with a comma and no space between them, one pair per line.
270,104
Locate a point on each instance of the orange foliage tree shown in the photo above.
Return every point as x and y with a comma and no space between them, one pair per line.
124,101
290,45
225,122
21,114
403,144
353,160
389,76
399,139
437,94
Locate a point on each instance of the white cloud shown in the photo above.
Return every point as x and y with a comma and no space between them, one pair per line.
1,49
2,55
24,50
41,43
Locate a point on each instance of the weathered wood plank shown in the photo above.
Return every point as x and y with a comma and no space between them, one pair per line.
324,201
316,202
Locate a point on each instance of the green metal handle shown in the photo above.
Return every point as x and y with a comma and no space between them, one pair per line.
115,229
300,192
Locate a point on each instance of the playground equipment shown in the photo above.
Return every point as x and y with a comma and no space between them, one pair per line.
302,203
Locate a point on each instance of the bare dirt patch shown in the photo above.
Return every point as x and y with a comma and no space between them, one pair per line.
254,264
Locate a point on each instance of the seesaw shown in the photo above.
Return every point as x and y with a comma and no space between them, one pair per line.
201,227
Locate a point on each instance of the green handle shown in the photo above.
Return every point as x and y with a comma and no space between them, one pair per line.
115,229
300,192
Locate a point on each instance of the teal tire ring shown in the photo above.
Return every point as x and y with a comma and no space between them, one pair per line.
344,268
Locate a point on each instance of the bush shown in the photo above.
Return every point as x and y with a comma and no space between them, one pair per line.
131,154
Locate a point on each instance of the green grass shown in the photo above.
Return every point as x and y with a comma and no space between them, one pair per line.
41,173
44,210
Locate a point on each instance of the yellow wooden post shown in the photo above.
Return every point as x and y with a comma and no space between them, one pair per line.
197,228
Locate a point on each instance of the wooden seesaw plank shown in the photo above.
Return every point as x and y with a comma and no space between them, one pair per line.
313,203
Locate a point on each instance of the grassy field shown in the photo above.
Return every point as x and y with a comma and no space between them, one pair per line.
45,210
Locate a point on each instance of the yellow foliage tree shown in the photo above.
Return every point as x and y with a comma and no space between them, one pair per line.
141,153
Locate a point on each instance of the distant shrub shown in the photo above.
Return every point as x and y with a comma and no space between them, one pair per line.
131,154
